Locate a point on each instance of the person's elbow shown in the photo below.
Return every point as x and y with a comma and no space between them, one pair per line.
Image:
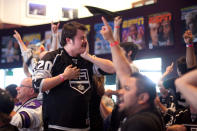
112,70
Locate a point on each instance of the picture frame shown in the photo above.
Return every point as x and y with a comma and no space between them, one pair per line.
69,13
36,9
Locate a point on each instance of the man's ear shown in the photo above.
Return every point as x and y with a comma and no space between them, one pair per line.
143,98
129,53
68,40
32,91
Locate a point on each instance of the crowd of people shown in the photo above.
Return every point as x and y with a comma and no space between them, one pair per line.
64,88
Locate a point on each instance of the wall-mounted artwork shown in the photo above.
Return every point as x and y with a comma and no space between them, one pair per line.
189,20
36,9
10,50
33,38
160,30
133,31
101,46
69,13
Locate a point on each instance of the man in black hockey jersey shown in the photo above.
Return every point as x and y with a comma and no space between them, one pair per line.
65,77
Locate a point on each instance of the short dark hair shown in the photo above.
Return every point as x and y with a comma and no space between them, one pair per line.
181,64
6,106
129,46
69,30
12,90
144,84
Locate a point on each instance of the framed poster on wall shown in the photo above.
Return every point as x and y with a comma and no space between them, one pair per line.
133,31
10,50
189,20
160,30
69,13
36,8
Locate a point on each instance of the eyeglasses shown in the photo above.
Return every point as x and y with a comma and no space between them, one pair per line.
25,86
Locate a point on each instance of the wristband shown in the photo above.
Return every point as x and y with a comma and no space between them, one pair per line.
20,41
113,44
61,77
117,27
189,45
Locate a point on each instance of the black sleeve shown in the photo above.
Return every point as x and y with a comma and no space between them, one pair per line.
42,71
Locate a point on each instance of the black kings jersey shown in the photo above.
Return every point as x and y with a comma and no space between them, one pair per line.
66,105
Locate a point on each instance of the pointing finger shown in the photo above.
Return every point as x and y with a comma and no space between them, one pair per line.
104,21
58,24
15,31
172,64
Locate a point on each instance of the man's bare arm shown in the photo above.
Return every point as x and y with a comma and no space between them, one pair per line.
187,85
69,73
55,36
190,53
104,64
117,22
121,63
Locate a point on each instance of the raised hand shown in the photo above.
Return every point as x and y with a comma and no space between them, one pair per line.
188,37
106,31
169,69
117,21
86,52
71,72
54,28
17,36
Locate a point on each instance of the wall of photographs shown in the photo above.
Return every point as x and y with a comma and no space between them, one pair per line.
157,29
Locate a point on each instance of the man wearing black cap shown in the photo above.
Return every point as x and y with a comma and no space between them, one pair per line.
6,107
12,90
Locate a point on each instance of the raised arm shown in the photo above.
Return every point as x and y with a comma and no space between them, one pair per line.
20,42
121,63
55,36
169,69
190,53
187,85
104,64
117,22
26,54
26,70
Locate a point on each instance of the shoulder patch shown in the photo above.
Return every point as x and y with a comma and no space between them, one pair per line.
33,105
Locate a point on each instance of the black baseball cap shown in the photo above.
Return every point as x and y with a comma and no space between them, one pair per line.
12,90
6,102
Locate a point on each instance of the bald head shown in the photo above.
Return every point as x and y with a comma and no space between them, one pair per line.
25,91
27,82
